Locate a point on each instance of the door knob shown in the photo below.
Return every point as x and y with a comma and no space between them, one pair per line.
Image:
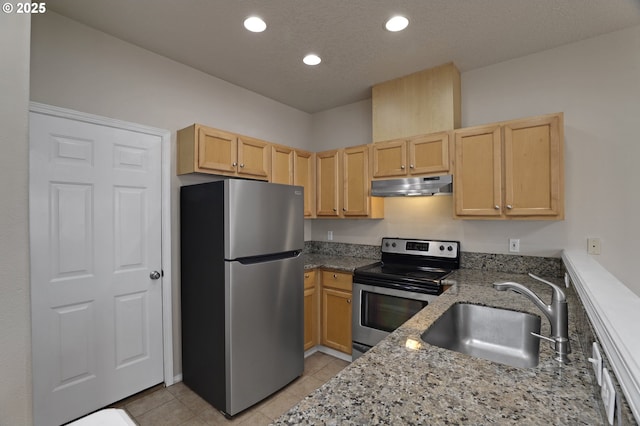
155,275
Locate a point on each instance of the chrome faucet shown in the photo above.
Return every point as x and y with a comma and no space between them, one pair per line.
556,312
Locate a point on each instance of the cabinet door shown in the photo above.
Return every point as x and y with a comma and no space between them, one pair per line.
304,174
282,164
533,167
253,158
217,150
311,313
389,158
429,154
478,171
355,196
328,177
336,319
336,310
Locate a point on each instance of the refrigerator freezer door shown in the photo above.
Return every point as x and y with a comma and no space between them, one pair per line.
262,218
265,335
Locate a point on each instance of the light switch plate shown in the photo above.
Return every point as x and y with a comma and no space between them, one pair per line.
608,394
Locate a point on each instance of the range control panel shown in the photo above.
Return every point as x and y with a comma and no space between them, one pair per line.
434,248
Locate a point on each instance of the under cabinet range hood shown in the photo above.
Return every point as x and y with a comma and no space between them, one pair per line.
415,186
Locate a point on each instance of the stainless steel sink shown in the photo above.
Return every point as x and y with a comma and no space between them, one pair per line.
489,333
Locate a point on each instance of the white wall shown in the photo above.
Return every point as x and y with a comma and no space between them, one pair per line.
596,83
15,319
76,67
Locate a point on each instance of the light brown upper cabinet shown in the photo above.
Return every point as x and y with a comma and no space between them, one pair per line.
207,150
282,164
510,170
327,183
416,156
424,102
304,174
343,184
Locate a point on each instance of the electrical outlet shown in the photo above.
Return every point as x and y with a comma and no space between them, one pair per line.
596,361
329,235
608,394
514,245
593,245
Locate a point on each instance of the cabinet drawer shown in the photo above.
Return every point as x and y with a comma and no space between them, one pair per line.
339,280
309,279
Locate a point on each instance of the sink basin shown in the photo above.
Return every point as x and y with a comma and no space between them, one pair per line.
494,334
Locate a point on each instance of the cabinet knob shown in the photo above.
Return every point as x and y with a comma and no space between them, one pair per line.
348,300
335,210
344,210
335,276
509,206
497,207
402,167
242,165
234,164
411,166
306,275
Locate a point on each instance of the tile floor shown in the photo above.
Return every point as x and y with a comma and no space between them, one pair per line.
178,405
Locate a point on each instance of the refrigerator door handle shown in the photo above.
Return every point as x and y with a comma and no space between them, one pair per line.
269,257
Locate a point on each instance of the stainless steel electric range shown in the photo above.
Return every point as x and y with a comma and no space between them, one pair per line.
389,292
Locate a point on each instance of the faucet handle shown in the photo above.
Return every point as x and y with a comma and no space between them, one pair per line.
561,346
558,293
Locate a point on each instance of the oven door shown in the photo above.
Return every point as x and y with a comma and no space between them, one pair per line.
377,311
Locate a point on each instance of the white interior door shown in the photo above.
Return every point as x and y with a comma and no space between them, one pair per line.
95,223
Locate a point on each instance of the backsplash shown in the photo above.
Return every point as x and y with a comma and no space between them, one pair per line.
342,249
543,266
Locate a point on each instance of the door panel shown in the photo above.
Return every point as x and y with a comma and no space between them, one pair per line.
95,225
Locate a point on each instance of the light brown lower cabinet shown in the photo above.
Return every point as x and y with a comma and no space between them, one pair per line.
327,309
336,310
311,309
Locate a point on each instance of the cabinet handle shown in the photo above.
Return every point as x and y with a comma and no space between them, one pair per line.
335,210
497,207
348,300
402,167
344,210
509,206
242,165
411,166
335,276
234,164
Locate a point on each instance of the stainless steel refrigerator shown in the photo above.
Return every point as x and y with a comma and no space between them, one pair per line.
242,290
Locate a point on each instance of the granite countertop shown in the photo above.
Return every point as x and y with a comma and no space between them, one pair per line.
394,384
340,263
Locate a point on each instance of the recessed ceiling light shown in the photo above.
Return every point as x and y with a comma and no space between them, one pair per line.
255,24
397,23
312,59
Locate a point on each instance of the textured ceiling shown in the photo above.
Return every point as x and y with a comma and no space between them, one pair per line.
349,35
